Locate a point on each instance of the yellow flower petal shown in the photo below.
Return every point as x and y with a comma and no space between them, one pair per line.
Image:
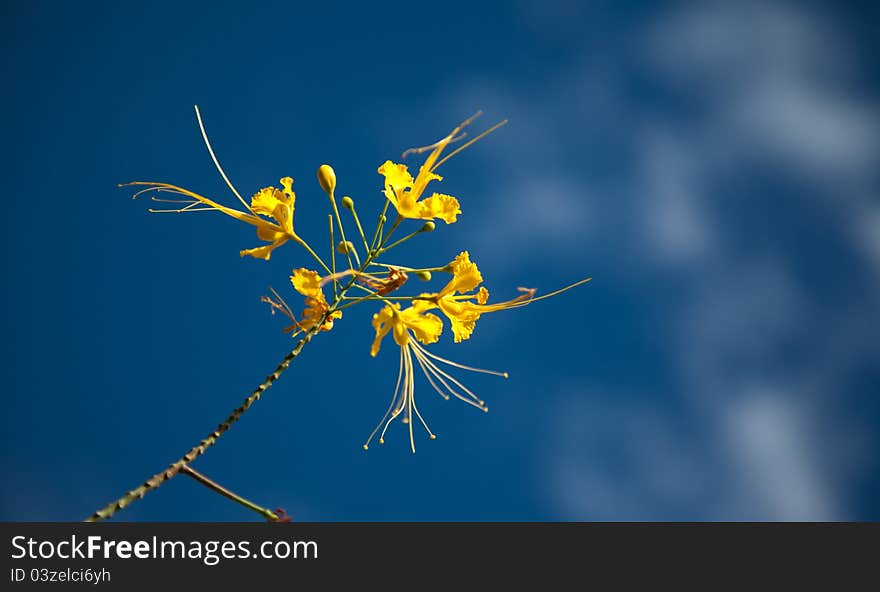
264,252
439,205
287,184
426,327
462,318
397,180
465,276
276,204
483,295
315,309
382,324
307,283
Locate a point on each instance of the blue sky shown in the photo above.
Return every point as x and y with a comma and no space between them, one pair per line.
712,166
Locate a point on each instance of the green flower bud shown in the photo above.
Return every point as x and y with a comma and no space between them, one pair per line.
425,276
327,178
345,247
347,203
428,227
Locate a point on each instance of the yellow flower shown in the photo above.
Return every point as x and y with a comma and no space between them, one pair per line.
409,327
308,283
456,299
425,327
404,193
269,202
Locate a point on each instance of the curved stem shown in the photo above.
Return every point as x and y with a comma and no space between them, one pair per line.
217,488
196,451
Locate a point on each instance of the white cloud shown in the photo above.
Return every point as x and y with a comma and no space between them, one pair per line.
769,88
780,471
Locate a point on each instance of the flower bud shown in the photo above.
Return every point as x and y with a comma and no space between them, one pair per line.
428,227
327,178
345,247
425,276
348,203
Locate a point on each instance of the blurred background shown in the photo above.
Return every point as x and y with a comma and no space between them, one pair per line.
713,166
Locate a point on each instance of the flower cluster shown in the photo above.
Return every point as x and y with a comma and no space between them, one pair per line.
366,275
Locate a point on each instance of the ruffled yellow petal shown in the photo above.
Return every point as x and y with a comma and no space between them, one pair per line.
382,324
397,180
276,204
404,193
424,177
426,327
313,312
461,317
465,275
264,252
307,283
482,295
439,205
287,184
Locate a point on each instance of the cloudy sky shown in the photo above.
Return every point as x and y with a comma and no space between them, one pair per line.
711,165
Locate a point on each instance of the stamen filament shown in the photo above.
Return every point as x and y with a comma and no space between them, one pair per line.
441,374
217,163
390,406
551,294
468,143
430,380
432,368
462,366
409,401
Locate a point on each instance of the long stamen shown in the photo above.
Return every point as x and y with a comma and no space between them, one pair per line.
470,142
431,434
409,400
462,366
400,400
166,200
390,407
451,139
217,163
181,210
430,379
551,294
438,374
441,374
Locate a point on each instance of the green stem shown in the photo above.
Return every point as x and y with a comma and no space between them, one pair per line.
401,241
341,228
377,236
333,258
182,464
196,451
306,246
216,487
357,222
394,226
411,269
